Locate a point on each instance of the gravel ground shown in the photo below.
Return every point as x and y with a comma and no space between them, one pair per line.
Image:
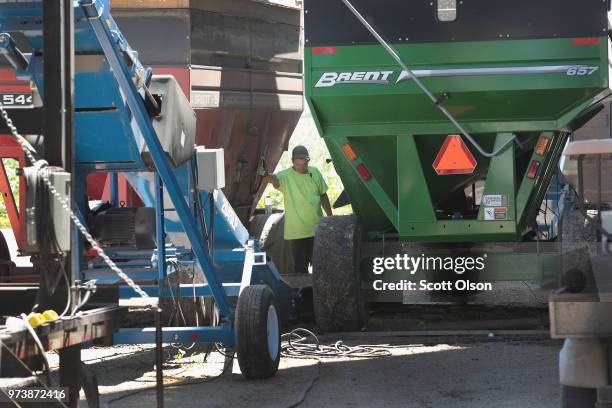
422,372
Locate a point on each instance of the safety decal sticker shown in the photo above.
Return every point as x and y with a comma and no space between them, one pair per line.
496,213
495,200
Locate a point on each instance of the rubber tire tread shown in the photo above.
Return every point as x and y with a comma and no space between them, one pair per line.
251,333
269,229
5,255
336,282
578,245
574,397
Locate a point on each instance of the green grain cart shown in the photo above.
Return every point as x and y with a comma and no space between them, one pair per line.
446,120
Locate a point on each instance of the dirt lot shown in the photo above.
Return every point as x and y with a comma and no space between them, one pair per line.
422,372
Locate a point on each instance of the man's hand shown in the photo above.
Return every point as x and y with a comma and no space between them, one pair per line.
261,170
271,178
267,177
326,205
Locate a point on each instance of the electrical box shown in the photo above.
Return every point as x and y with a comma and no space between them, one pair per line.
43,208
211,169
59,215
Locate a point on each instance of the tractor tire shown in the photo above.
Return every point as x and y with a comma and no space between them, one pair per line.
197,312
336,282
269,230
257,224
578,244
257,332
189,306
6,265
574,397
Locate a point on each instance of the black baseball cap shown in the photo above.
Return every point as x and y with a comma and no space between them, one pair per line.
300,152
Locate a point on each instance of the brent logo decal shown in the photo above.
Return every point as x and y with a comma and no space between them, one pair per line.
329,79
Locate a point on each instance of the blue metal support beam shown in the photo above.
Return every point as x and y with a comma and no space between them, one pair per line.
162,164
217,334
142,254
114,188
185,290
108,277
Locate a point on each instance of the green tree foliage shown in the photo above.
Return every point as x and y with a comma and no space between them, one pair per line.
11,171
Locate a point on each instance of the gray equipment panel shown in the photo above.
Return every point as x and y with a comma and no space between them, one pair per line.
59,216
211,169
176,125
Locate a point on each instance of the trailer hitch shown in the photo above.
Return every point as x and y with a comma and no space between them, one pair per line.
436,101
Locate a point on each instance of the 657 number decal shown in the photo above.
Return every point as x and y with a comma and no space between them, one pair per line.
16,99
581,70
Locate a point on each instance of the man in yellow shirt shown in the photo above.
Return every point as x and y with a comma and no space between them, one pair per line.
305,192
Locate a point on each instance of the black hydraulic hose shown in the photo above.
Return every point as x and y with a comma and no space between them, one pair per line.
211,234
159,359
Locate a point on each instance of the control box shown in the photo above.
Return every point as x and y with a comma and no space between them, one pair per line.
42,207
211,169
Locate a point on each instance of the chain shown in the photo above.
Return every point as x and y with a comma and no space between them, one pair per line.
25,145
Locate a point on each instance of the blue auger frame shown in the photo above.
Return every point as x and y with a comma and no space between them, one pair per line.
235,263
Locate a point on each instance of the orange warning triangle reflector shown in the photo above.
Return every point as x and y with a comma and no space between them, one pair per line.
454,157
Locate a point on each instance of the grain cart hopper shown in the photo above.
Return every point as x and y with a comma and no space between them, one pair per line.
445,121
139,125
239,63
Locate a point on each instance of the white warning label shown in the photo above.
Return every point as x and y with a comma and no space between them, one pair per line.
495,200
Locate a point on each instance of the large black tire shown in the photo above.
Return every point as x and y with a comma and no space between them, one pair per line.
197,312
257,332
574,397
269,230
578,244
6,265
257,224
188,305
336,283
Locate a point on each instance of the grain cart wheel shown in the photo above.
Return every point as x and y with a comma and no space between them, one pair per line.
257,332
574,397
336,283
268,229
